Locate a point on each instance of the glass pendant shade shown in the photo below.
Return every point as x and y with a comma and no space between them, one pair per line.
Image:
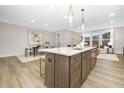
70,15
82,21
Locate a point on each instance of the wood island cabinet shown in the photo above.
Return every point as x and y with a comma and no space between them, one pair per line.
88,61
93,57
68,71
86,64
75,71
49,70
61,71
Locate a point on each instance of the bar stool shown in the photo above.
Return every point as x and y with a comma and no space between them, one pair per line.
28,52
42,66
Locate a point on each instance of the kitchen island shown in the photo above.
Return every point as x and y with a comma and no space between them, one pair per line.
68,67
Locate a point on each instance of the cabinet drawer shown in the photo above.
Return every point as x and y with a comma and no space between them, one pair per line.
88,64
86,53
75,58
84,68
75,70
76,83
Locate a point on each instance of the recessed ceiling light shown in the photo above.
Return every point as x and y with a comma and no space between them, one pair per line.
65,17
93,27
51,7
71,25
111,29
78,28
112,14
111,21
46,25
32,21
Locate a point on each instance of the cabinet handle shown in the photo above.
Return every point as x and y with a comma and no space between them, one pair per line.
49,60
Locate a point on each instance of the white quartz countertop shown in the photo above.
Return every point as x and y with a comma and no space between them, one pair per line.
67,51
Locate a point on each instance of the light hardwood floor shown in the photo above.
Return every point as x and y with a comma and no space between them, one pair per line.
14,73
106,74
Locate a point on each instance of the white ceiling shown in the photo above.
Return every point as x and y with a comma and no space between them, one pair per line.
97,17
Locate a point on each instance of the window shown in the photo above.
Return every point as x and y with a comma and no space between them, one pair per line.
106,35
105,39
87,40
95,40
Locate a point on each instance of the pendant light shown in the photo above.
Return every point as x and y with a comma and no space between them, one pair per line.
82,20
70,15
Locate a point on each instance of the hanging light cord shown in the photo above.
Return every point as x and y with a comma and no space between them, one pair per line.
82,21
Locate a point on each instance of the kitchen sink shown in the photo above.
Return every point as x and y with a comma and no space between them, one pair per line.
77,48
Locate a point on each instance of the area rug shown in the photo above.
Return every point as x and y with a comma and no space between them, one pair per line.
24,59
108,57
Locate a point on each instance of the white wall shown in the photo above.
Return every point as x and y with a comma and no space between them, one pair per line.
49,36
72,38
119,40
13,39
69,37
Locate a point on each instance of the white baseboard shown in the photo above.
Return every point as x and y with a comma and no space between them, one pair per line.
9,55
118,53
